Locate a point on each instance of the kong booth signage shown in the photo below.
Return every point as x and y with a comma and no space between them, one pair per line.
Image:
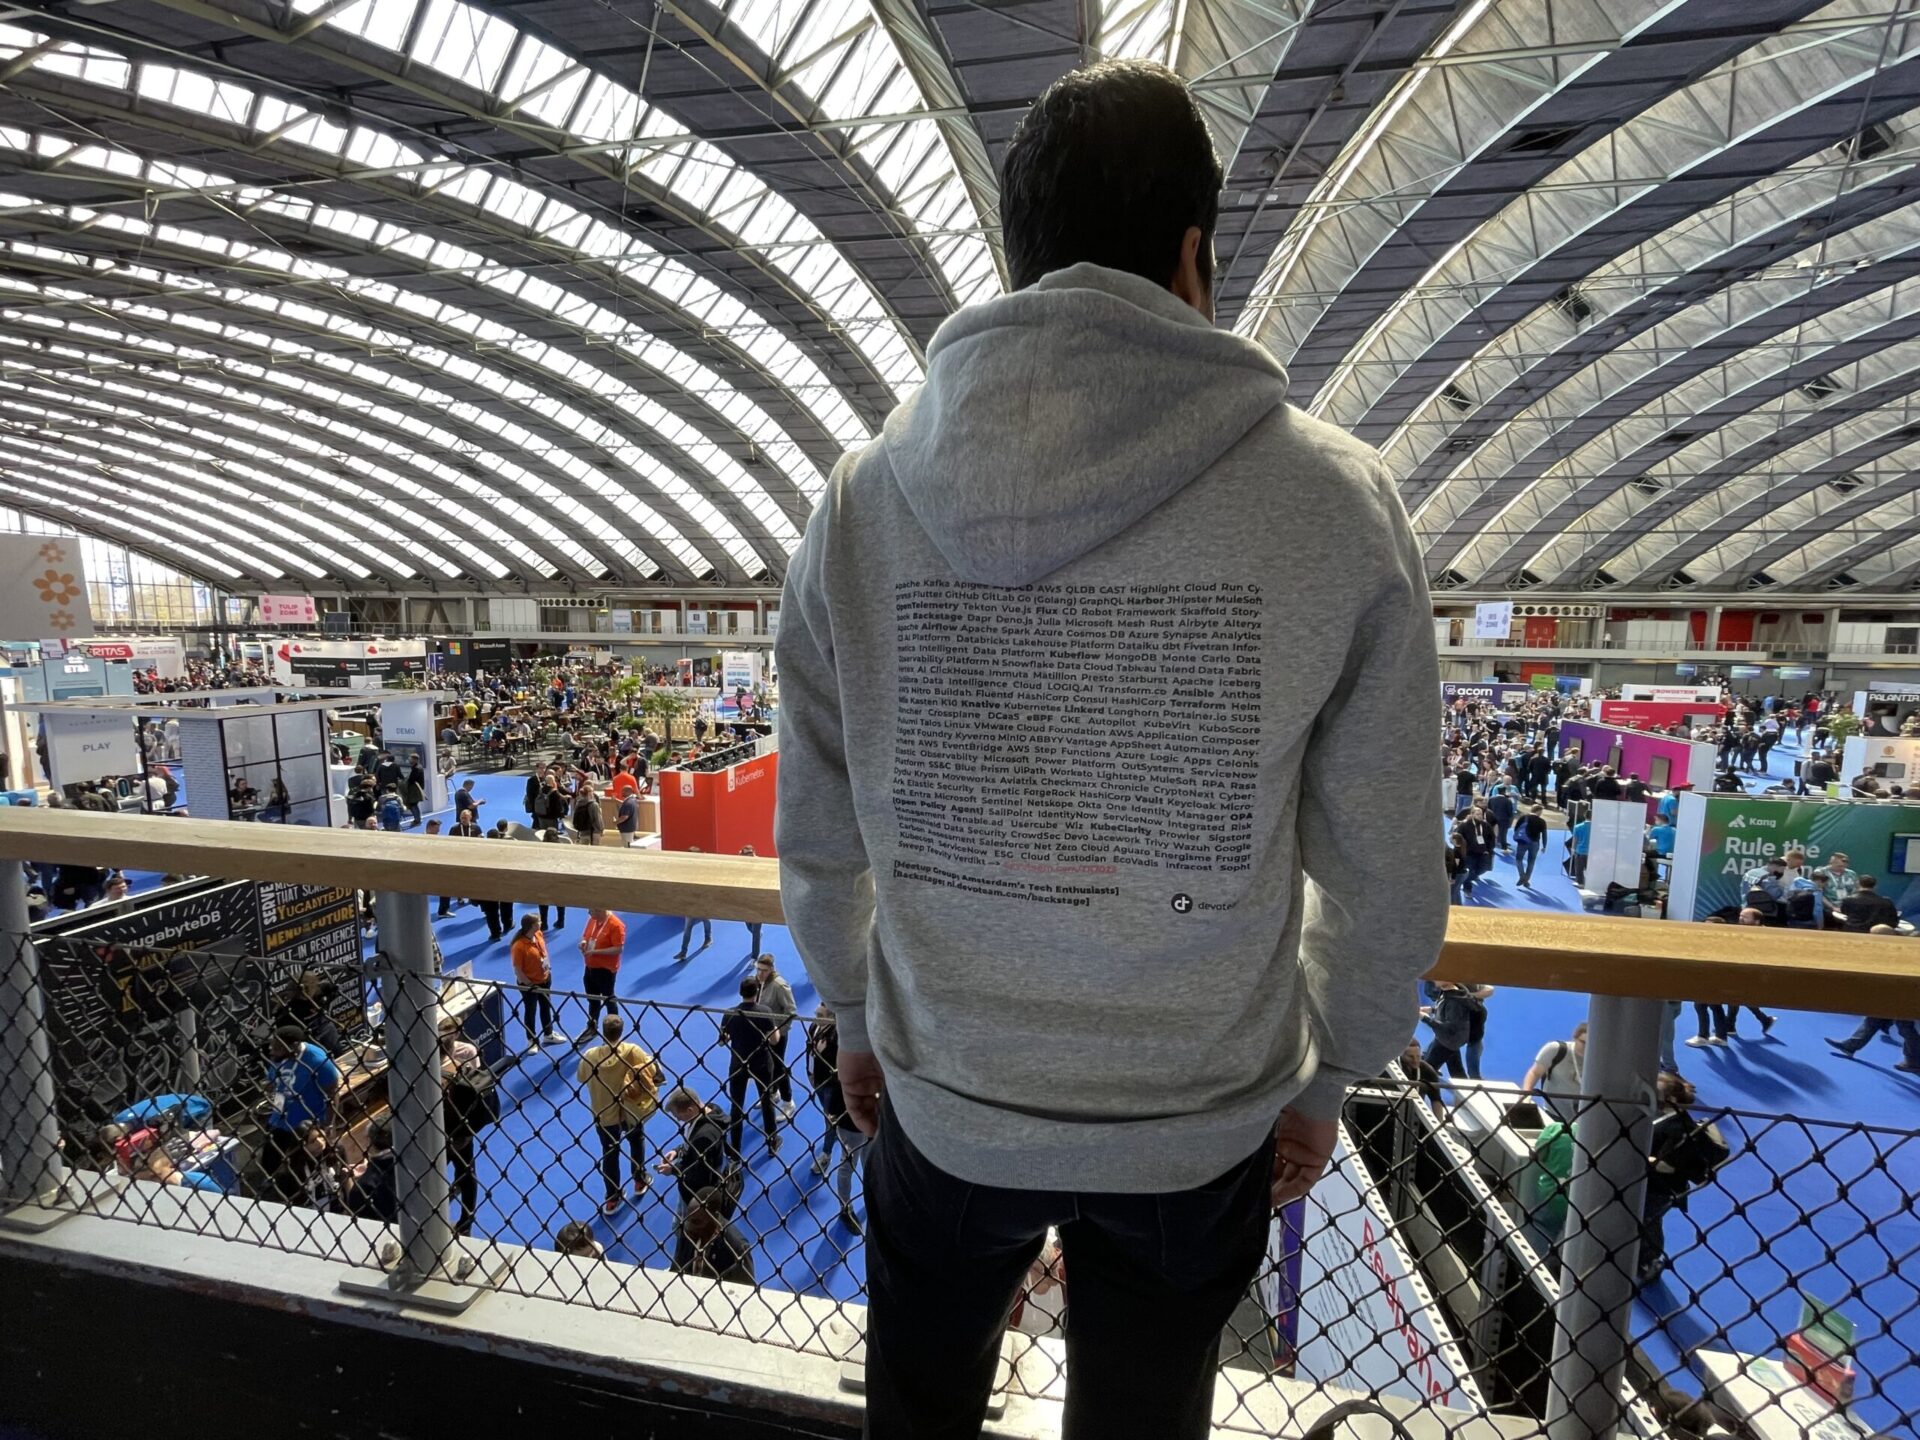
1719,838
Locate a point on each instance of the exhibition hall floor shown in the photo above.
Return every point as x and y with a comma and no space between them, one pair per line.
537,1172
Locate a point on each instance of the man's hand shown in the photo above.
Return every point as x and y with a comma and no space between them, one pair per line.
1300,1152
861,1083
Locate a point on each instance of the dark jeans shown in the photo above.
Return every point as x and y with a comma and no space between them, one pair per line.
760,1069
1446,1058
1653,1231
560,912
598,984
1871,1026
466,1179
1152,1281
782,1071
753,939
611,1138
686,935
537,1001
1721,1017
499,915
1525,857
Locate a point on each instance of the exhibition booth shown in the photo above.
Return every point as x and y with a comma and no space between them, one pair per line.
1662,714
1674,694
230,745
347,664
720,804
1885,706
1893,760
1719,838
1664,762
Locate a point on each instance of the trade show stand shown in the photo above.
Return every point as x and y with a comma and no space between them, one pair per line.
1661,714
1893,759
1886,705
1664,762
228,742
720,810
1718,838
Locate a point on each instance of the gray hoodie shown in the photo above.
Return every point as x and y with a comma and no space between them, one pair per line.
1081,664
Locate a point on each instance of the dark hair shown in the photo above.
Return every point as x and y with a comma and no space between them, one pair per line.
1112,165
749,989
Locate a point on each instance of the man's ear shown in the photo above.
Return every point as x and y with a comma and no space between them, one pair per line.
1191,280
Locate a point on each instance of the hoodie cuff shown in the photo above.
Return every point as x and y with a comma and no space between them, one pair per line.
1324,1095
852,1024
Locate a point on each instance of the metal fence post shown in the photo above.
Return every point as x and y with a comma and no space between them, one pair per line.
31,1169
433,1270
1601,1247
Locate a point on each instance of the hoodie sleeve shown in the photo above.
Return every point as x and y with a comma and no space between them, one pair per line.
826,884
1376,905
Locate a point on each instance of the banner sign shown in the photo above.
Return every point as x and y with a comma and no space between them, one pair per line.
287,610
1672,694
621,621
162,654
1492,619
43,588
222,953
1736,833
696,622
1506,697
1346,1308
1660,714
1885,706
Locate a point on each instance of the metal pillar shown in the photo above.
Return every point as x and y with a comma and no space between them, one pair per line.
433,1269
1601,1247
32,1172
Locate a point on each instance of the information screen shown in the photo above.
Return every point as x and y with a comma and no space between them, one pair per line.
1905,859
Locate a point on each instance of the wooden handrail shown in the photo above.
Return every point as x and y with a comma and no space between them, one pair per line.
1804,969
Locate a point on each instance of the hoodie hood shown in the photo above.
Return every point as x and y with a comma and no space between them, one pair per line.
1054,418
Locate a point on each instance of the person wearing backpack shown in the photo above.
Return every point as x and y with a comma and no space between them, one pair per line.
1451,1017
471,1103
588,823
391,809
623,1089
1556,1072
1683,1155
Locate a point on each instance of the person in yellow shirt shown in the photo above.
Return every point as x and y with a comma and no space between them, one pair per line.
623,1088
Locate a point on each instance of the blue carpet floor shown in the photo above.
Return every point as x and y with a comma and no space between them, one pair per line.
1818,1202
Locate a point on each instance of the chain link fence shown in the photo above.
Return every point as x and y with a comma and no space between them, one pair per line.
694,1166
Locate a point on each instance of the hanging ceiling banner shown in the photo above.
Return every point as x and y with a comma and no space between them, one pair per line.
287,610
1492,619
43,589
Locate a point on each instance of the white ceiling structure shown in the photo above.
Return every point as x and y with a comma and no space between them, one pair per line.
571,294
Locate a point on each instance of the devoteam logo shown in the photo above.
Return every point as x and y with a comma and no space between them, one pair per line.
1182,904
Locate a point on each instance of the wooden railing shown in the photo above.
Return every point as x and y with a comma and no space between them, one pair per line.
1804,969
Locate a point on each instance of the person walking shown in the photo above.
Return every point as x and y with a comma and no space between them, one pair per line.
748,1029
687,924
775,996
1684,1154
1529,838
1501,810
1556,1073
623,1090
823,1053
705,1163
533,973
466,828
1473,833
1093,428
753,926
413,788
602,939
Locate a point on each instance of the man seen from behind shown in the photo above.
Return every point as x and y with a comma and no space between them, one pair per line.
1073,990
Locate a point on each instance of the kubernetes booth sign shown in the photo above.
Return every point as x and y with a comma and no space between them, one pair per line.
1506,697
